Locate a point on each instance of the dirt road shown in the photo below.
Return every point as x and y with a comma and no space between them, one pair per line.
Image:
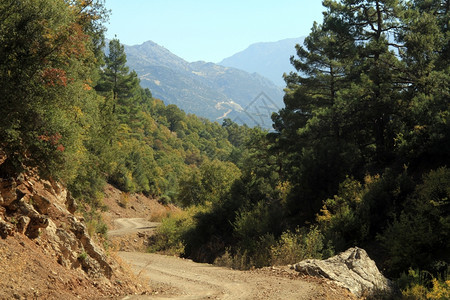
132,225
176,278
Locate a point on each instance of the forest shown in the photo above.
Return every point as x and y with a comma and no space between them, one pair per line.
358,156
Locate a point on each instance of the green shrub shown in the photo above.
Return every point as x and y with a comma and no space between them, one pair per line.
301,244
291,247
419,237
244,259
124,199
94,221
82,256
209,183
423,285
340,216
440,290
169,237
164,200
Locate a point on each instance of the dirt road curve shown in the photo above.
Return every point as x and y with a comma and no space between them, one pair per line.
184,279
128,226
176,278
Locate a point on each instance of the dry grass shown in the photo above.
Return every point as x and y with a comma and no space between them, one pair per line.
160,213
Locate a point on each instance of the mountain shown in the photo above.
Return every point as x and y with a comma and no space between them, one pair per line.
203,88
270,59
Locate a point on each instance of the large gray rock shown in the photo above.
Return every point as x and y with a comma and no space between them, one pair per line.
352,269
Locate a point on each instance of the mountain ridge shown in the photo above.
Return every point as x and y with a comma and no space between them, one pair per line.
203,88
270,59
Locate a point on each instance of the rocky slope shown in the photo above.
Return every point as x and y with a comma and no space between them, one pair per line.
46,251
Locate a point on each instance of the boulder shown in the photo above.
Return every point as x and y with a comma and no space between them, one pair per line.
22,223
352,269
36,223
42,201
6,229
70,203
8,192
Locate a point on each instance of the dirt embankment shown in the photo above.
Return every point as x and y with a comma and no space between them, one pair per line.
46,251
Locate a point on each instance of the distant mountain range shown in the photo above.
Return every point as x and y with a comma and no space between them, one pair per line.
270,59
205,89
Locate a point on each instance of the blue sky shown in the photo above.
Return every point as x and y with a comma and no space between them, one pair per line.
210,30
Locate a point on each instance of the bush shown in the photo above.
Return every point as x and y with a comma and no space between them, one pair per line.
123,200
95,225
238,261
157,215
440,290
245,259
341,216
301,244
169,237
419,238
360,211
209,183
164,200
422,285
291,247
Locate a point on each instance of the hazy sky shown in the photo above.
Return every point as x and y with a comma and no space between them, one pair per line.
210,30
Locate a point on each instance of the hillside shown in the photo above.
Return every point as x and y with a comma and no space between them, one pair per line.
270,59
205,89
46,249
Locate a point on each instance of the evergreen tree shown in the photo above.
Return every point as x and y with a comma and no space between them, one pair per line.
376,73
425,37
116,76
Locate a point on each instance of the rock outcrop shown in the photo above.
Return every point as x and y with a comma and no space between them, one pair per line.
42,209
352,269
46,251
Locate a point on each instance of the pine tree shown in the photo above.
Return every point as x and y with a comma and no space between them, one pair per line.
425,39
376,71
116,76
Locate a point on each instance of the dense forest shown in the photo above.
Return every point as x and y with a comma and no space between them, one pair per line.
81,117
358,156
